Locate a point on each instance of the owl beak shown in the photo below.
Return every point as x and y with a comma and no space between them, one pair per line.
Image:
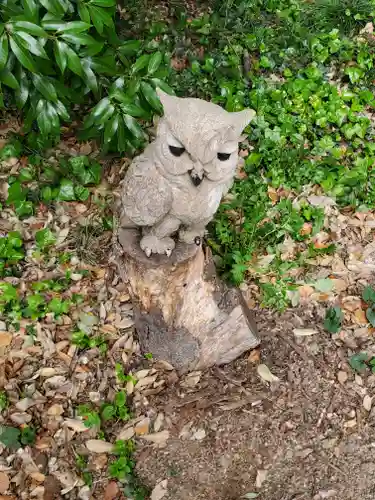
197,173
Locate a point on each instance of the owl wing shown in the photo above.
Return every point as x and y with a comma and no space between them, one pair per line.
147,197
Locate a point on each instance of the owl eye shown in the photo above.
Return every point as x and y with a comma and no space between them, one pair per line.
223,156
176,151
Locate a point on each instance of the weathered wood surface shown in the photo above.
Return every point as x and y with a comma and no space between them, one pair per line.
183,313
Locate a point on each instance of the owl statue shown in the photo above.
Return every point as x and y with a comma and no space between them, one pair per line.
177,184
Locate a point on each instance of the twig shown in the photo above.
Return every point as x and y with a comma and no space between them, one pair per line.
292,344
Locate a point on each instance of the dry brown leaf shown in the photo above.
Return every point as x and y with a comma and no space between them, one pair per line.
305,292
111,491
159,438
254,356
367,402
4,482
360,317
142,427
342,377
99,446
160,490
304,332
5,339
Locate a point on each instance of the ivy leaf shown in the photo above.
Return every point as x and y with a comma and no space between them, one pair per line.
154,62
108,412
81,193
21,54
359,361
58,306
9,436
370,315
44,238
66,191
333,319
355,73
3,50
120,399
368,295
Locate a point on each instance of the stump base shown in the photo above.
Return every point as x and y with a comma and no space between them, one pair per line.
183,313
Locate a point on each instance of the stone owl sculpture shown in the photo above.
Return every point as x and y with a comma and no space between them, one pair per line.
178,182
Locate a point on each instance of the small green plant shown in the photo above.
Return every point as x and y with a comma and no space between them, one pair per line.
333,319
121,375
91,418
81,464
85,341
368,296
3,401
117,410
11,252
123,466
28,436
148,355
15,438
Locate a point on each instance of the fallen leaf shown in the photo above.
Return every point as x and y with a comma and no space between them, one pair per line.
160,490
99,446
261,477
367,402
254,356
360,317
350,423
304,332
111,491
323,285
342,377
251,495
265,373
142,427
4,482
157,437
5,339
199,435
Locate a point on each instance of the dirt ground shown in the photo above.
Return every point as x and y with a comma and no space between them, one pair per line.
306,436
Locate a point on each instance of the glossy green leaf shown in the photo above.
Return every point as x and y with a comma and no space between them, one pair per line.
154,63
22,94
24,58
106,116
31,28
8,79
43,122
31,44
83,12
104,3
160,84
79,38
151,97
53,24
4,50
66,191
61,110
133,126
45,87
74,27
31,9
54,6
140,63
74,62
121,135
61,55
90,78
100,18
111,129
130,47
100,108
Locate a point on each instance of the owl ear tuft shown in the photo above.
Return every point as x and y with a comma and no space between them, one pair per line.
168,101
240,119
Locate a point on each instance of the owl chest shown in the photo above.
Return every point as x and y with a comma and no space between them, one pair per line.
193,204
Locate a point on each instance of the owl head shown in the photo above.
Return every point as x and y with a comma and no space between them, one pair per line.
199,137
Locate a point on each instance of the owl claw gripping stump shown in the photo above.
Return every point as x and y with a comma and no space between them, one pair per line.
177,183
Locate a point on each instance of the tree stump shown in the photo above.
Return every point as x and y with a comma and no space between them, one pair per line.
183,313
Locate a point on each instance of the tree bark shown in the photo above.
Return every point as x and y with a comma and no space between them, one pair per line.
183,313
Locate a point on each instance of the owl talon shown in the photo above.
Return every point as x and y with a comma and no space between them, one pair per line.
148,252
152,244
168,252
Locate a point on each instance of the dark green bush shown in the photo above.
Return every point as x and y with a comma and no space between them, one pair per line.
56,54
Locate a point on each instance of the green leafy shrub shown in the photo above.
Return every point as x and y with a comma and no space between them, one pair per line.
57,54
